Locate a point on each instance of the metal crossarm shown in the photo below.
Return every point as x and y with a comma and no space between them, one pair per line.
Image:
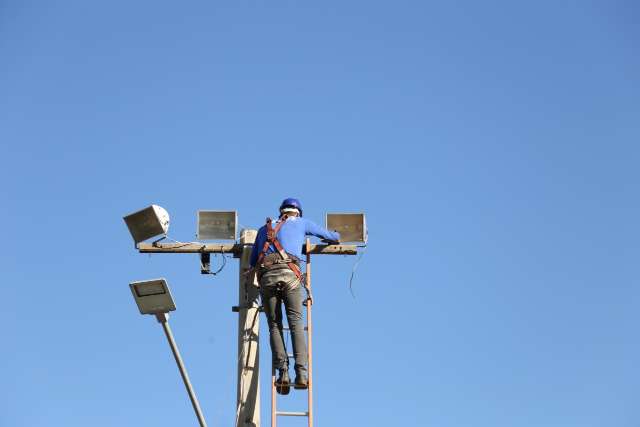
234,248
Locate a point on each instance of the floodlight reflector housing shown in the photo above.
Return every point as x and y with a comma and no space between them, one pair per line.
152,296
217,225
351,226
147,223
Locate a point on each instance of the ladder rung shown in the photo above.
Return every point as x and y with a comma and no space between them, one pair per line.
292,414
286,328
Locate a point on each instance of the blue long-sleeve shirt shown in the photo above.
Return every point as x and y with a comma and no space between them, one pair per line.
291,236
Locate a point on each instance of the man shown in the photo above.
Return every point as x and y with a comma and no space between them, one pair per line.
276,259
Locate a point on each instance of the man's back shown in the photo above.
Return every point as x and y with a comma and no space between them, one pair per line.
291,236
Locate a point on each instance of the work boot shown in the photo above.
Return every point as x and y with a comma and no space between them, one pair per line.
302,382
282,383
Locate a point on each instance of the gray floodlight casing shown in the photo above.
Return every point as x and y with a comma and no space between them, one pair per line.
152,296
147,223
351,226
217,225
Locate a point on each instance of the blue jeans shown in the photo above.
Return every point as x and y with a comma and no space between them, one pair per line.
277,286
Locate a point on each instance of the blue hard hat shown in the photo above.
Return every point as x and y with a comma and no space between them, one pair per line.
291,203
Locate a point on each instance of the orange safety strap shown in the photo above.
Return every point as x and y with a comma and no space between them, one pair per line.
273,239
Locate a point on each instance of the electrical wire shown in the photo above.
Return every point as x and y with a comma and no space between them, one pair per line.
355,267
253,324
224,263
182,244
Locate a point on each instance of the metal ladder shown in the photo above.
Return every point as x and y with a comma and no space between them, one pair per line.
309,413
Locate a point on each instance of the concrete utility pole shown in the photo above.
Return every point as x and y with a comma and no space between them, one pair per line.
248,400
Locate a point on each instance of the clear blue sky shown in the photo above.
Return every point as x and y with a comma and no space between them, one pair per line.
494,147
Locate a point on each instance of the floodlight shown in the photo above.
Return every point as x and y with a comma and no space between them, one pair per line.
351,226
152,296
147,223
217,225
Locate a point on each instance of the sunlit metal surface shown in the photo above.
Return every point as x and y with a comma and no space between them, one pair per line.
152,296
147,223
217,225
351,226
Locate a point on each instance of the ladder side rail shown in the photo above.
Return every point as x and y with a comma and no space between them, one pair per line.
309,329
273,396
309,338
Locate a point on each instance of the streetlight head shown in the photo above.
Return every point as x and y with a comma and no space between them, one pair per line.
152,296
217,225
147,223
351,226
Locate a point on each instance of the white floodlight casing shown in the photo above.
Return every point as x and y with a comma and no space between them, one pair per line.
351,226
217,225
147,223
152,296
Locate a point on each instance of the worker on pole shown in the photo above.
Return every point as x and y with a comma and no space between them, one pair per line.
276,258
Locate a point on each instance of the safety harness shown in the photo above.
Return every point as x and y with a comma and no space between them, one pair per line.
272,239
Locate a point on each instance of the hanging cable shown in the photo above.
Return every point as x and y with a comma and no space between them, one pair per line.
249,337
204,262
355,267
166,237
